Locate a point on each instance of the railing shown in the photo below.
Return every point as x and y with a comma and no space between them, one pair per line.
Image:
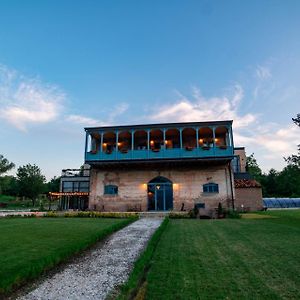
160,154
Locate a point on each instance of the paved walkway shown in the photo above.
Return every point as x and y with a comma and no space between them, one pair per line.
100,271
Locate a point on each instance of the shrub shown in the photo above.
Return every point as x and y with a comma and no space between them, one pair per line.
233,214
179,215
95,214
51,214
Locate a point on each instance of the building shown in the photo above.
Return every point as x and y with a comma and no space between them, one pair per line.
160,167
74,189
157,167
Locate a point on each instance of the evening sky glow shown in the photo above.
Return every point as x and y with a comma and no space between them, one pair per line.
66,65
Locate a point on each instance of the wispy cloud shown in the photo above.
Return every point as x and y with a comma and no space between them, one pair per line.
82,120
200,108
263,72
26,101
110,119
250,129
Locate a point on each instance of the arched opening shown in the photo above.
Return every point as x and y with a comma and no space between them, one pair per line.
156,139
205,138
109,142
221,137
124,141
172,139
160,194
140,140
189,138
94,142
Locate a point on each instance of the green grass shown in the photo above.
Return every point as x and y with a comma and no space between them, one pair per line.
227,259
137,276
28,246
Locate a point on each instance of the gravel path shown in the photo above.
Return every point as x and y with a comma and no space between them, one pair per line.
97,273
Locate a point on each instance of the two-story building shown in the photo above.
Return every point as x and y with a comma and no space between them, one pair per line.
160,167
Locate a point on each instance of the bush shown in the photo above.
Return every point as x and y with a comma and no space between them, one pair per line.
179,215
233,214
51,214
95,214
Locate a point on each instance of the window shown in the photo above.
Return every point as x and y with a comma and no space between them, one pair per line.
67,186
110,190
84,186
210,188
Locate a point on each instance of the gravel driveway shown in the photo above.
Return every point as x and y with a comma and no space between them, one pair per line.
98,272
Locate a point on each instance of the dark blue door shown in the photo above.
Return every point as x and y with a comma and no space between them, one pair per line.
160,194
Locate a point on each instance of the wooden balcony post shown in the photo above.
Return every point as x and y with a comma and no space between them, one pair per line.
180,134
86,141
101,142
148,139
132,139
117,140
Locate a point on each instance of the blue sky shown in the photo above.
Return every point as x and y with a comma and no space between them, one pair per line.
65,65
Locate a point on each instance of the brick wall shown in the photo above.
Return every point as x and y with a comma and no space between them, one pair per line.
250,198
132,187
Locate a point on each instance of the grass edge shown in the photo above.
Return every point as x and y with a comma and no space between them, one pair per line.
141,267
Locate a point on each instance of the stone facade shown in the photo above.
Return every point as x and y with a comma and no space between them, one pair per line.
187,182
248,199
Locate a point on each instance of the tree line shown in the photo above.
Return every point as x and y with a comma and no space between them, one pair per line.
29,181
285,183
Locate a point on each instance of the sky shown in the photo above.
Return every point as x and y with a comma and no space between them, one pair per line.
66,65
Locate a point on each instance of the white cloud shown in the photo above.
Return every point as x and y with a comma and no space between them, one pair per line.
27,101
83,120
199,108
250,130
263,72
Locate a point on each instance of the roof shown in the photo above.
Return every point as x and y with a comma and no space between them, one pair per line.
246,183
158,125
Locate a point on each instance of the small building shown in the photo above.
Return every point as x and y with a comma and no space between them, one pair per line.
74,188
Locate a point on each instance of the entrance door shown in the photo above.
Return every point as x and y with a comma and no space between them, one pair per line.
160,194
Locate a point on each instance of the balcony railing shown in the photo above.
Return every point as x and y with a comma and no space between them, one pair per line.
213,152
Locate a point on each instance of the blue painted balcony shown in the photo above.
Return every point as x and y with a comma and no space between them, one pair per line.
173,141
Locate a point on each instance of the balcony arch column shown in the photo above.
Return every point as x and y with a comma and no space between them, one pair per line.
197,137
180,135
101,141
117,140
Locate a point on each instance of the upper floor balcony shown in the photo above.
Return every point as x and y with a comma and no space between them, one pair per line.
207,140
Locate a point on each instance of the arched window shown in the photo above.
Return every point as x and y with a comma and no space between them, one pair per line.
110,189
210,188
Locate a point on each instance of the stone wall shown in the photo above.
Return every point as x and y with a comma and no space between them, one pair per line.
248,199
132,187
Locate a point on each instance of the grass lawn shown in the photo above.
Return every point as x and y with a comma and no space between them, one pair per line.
228,259
30,245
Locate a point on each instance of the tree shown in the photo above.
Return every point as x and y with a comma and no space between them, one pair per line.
30,181
53,185
5,166
294,159
253,168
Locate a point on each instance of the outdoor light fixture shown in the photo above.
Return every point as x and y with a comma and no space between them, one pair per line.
166,142
158,187
151,142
